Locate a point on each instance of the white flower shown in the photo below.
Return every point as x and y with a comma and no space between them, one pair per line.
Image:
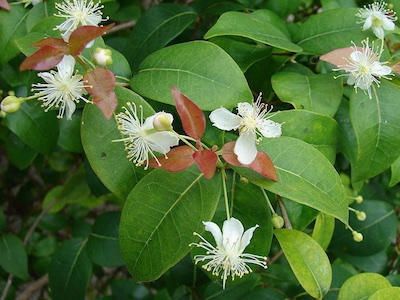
252,121
141,137
62,89
78,13
228,257
364,68
378,18
103,57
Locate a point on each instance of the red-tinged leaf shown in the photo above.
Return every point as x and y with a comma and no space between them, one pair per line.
43,59
4,4
262,164
83,35
193,120
102,82
206,160
179,158
396,69
339,57
52,42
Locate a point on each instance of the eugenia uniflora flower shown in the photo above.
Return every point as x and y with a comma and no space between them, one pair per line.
142,138
377,17
78,13
364,68
62,89
253,123
227,257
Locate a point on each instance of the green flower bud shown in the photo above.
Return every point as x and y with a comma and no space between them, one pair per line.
102,57
244,180
361,216
359,199
10,104
358,237
163,121
277,221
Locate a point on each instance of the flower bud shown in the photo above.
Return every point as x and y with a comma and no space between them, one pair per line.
361,216
359,199
358,237
277,221
102,57
162,121
10,104
243,180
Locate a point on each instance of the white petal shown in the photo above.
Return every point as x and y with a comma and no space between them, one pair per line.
66,66
69,109
378,31
351,80
245,109
246,238
162,141
269,128
245,147
367,23
356,55
215,231
232,232
224,119
148,123
387,24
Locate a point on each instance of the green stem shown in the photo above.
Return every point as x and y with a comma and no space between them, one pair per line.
223,176
269,202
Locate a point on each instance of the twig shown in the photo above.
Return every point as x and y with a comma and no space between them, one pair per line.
285,216
33,287
122,26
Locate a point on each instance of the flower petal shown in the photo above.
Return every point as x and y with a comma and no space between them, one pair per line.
69,109
245,109
378,31
245,147
66,66
224,119
232,231
367,23
387,24
246,238
215,231
269,128
161,141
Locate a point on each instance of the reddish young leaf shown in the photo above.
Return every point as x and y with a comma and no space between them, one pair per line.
262,163
193,120
4,4
338,57
102,82
83,35
206,160
52,42
179,158
43,59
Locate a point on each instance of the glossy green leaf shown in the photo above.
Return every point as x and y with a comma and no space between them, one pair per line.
395,168
108,159
309,92
262,26
376,126
36,128
362,286
323,230
12,26
159,218
388,293
300,216
378,229
282,7
70,270
155,29
317,130
69,138
300,168
103,244
330,30
13,258
19,153
347,142
195,69
308,261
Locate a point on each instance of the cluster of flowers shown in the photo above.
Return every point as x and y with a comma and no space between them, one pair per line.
363,66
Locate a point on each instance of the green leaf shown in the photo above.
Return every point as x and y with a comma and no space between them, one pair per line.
386,293
323,230
395,178
12,26
378,229
330,30
308,261
376,126
19,153
317,130
159,218
300,215
362,286
36,128
70,270
309,92
13,258
195,69
103,245
155,29
283,7
300,168
69,138
108,159
262,26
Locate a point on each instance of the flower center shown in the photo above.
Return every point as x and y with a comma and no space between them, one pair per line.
248,123
365,68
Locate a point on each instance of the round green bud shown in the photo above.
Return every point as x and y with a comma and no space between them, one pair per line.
163,121
243,180
359,199
277,221
102,57
10,104
361,216
358,237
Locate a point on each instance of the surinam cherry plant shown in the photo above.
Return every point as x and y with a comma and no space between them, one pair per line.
199,149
